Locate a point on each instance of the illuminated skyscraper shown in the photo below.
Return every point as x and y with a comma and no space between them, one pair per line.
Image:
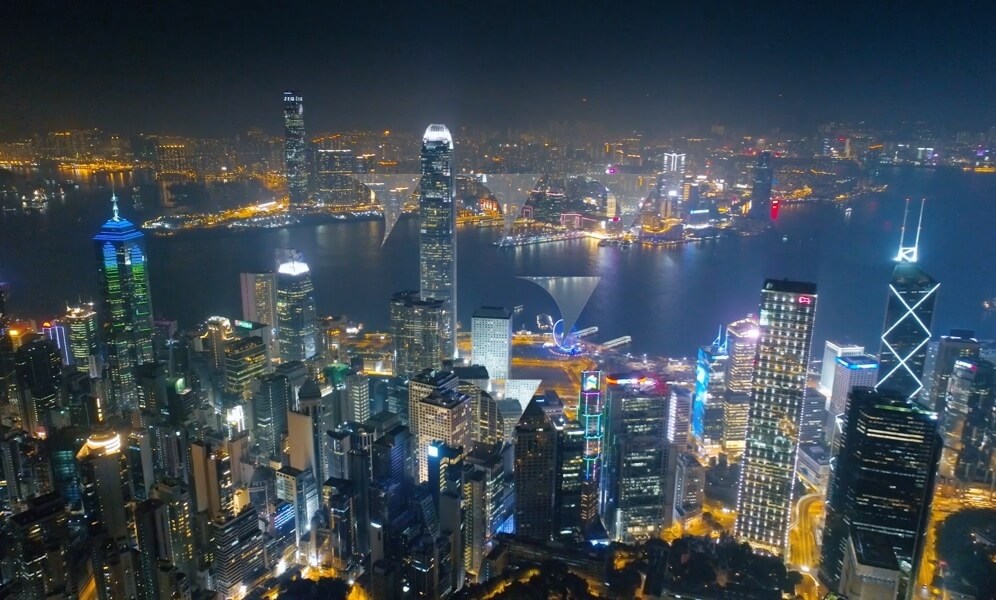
850,372
767,479
295,147
125,306
176,498
334,169
959,344
416,330
590,413
760,197
443,416
270,404
636,459
831,352
237,545
741,345
437,226
259,298
882,487
297,327
219,332
82,324
491,340
245,362
968,422
711,367
105,483
908,317
674,163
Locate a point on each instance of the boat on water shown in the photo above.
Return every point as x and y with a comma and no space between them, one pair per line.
989,304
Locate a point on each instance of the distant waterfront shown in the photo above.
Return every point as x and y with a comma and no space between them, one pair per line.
669,299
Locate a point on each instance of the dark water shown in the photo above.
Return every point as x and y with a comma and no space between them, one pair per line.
668,300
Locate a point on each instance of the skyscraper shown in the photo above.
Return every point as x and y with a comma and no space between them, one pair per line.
741,345
976,460
849,372
908,317
959,344
764,500
882,485
831,352
81,321
711,367
259,297
443,416
491,340
760,196
591,406
237,545
38,364
437,225
416,330
636,459
245,362
967,423
125,306
297,326
219,332
270,404
535,472
104,478
295,147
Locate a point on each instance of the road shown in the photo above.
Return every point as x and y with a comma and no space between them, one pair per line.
804,547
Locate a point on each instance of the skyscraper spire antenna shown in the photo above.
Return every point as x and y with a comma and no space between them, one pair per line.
114,205
909,253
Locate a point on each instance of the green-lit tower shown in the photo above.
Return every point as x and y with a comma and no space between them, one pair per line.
125,306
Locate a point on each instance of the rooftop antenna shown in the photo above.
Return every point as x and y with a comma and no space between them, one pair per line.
910,253
114,204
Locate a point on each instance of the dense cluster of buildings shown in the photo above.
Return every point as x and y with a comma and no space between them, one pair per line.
144,462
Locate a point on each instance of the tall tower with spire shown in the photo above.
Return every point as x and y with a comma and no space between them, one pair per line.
437,231
125,306
909,315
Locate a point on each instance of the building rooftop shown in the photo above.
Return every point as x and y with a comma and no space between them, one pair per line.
492,312
293,268
860,361
437,133
789,286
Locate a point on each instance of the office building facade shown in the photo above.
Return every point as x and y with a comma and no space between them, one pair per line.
765,495
437,226
297,326
125,306
491,340
295,147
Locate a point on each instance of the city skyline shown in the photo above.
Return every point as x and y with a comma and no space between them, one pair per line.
312,407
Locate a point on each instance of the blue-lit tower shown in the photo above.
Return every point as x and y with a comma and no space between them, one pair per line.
437,230
295,147
125,306
909,314
710,386
591,406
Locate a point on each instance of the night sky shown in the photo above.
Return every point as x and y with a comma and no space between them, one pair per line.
216,68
